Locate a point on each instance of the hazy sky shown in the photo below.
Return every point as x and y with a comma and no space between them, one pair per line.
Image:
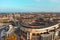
30,5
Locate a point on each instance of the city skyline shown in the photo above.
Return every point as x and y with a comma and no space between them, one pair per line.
29,5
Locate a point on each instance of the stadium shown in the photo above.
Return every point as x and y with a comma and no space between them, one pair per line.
39,30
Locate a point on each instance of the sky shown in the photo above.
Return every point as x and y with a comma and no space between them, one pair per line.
29,5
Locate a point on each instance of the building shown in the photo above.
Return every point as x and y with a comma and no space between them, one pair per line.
39,32
47,36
